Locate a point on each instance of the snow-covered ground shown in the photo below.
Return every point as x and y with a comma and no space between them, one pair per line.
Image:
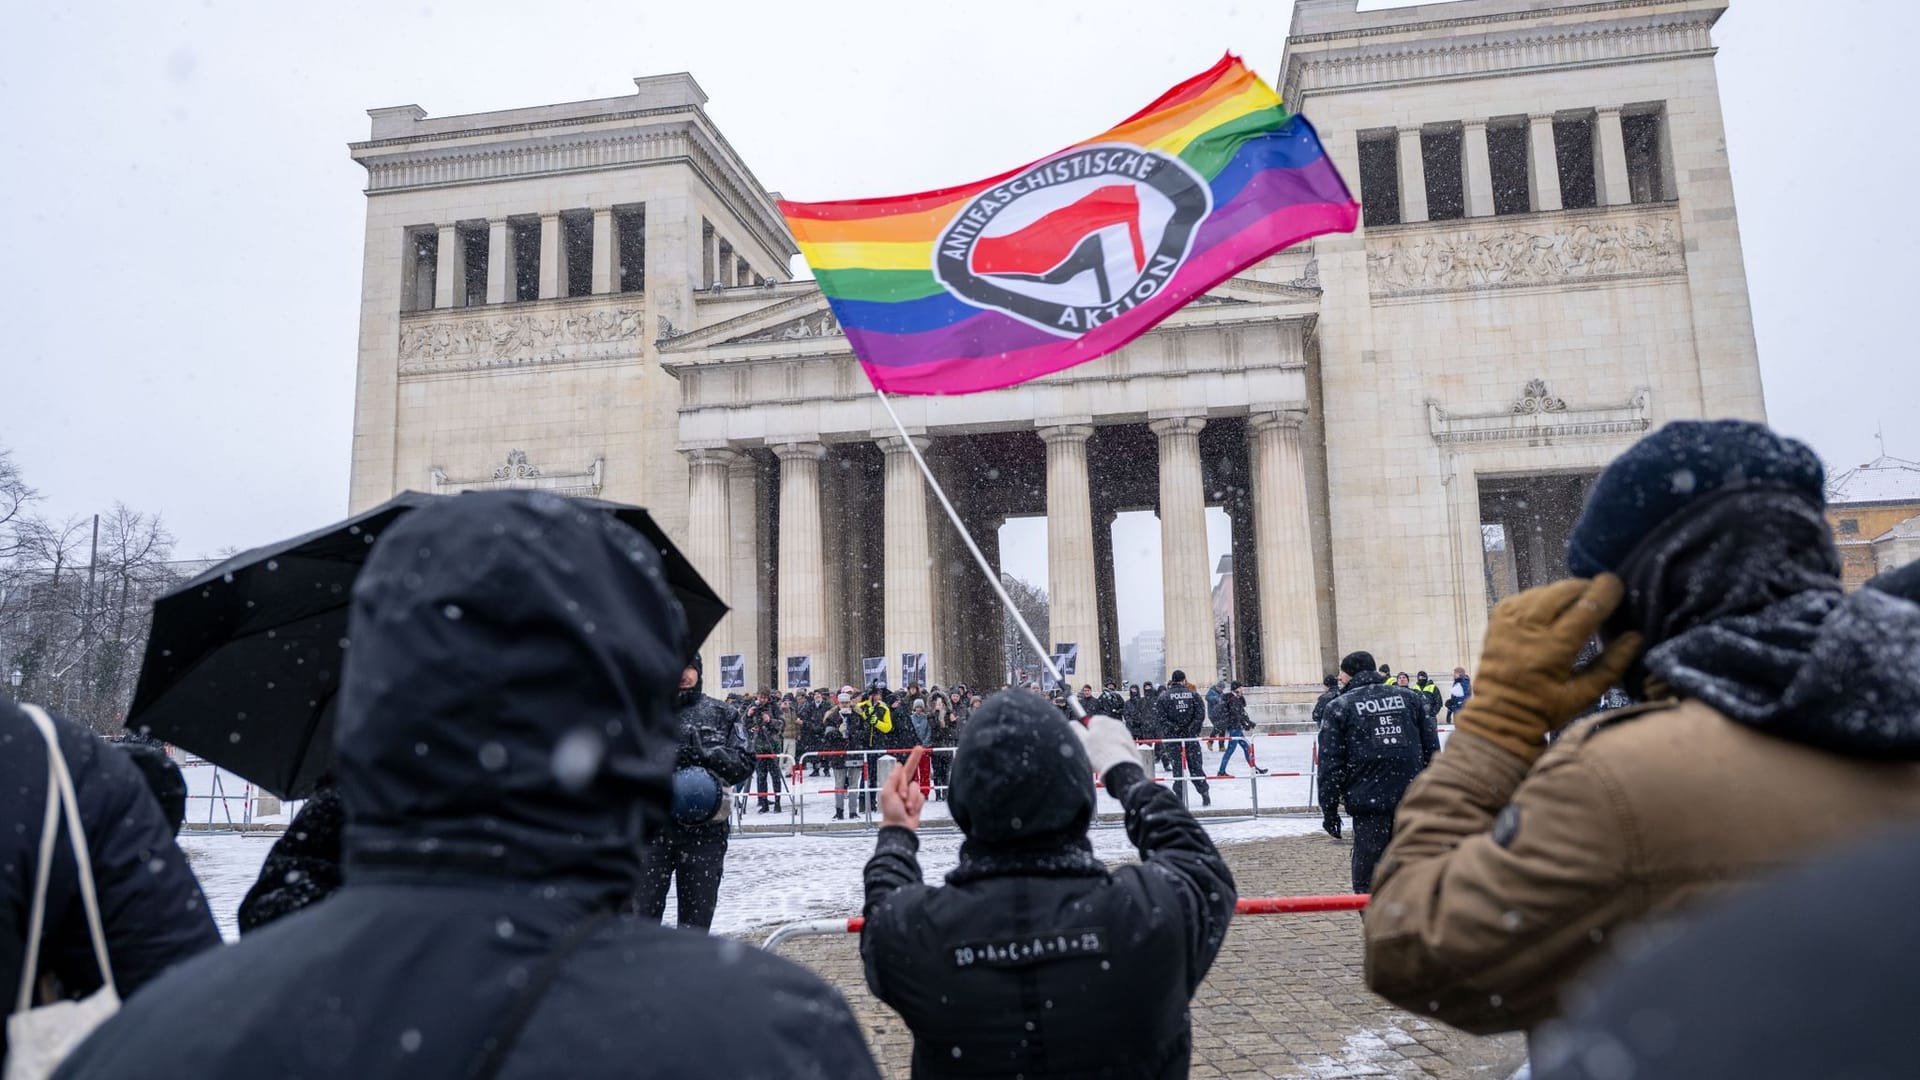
776,877
769,879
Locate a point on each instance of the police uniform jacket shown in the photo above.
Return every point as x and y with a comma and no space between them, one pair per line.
1374,739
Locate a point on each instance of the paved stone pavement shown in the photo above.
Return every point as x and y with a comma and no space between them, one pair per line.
1284,999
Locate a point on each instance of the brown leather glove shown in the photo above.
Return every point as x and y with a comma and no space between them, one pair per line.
1526,685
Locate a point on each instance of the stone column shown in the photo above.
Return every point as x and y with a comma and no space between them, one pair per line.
909,599
989,622
834,668
743,546
1543,165
1185,578
1104,588
1413,181
1610,148
449,277
550,261
1479,166
710,539
802,614
1283,549
604,254
499,262
1073,604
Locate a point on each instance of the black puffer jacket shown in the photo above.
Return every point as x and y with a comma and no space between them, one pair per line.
505,740
711,736
1036,959
302,867
1374,739
150,904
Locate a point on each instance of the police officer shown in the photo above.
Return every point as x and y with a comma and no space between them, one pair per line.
695,851
1375,738
1181,712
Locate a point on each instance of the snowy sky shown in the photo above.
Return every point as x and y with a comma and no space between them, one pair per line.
185,224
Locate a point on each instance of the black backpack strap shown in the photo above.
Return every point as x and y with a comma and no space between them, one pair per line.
494,1051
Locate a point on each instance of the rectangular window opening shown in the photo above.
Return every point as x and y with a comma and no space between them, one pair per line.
630,248
1573,150
1507,162
1380,180
523,240
576,243
423,268
1645,172
1440,160
473,252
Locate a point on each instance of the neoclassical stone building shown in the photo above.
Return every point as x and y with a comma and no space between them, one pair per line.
1400,423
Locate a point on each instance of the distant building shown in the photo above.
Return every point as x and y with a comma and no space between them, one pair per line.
1875,513
1223,621
1144,659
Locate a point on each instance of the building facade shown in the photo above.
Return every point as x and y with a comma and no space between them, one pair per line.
1874,510
1400,423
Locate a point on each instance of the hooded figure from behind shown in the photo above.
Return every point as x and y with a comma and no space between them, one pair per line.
1779,715
505,742
1035,959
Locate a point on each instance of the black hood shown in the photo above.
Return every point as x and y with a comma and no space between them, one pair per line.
1741,603
504,708
685,697
1021,778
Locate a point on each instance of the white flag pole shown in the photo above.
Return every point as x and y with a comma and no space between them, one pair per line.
993,578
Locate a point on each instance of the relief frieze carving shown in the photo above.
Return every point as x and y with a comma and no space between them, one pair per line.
474,342
1556,251
817,325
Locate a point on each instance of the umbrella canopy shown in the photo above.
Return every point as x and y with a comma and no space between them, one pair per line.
243,662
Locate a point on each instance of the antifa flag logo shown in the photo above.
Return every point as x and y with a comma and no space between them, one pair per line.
1077,240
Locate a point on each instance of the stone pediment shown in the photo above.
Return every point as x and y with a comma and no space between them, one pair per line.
802,317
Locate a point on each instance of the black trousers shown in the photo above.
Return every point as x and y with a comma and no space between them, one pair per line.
766,777
695,855
1370,835
1189,759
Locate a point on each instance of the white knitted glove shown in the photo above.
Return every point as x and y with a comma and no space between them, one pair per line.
1108,743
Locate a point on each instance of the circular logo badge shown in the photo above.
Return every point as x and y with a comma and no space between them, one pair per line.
1077,240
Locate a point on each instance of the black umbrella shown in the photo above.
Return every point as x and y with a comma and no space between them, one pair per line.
243,661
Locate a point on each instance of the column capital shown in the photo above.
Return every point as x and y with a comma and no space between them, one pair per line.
1473,123
1179,424
894,444
1540,118
721,456
798,449
1288,417
1065,432
1603,110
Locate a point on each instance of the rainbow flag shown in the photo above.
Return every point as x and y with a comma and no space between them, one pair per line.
1070,257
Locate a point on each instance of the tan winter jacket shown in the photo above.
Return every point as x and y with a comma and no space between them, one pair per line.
1503,883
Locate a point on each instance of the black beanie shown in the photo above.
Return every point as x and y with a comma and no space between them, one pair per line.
1020,776
1332,681
1663,474
1903,582
1357,663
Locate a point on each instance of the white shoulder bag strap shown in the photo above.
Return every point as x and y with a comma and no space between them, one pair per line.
39,1039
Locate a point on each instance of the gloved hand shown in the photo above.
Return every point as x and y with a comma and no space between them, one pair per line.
1526,685
1108,743
1331,823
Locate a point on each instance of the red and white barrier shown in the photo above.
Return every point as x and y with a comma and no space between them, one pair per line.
1246,905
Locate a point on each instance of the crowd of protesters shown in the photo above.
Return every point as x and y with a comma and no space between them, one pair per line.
468,900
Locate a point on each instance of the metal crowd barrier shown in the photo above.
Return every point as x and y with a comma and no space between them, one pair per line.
865,792
1246,905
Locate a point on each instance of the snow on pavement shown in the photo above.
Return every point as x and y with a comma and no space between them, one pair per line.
769,879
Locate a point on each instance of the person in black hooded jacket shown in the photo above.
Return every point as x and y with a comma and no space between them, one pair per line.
696,852
150,905
505,742
1035,959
